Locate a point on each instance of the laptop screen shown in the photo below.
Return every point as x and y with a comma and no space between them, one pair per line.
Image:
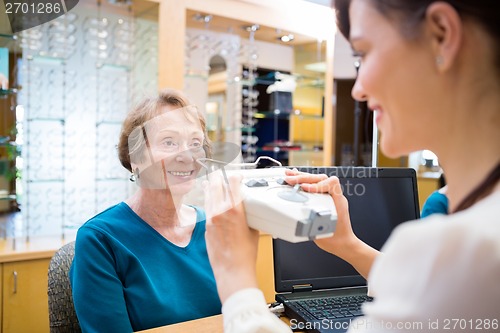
379,199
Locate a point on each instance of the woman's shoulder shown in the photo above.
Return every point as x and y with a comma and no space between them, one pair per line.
441,257
108,216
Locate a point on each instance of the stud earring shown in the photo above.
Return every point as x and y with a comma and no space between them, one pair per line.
439,60
134,176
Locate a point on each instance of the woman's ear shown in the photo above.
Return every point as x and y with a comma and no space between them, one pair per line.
446,29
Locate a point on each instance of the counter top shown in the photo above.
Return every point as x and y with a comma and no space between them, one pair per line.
429,174
17,249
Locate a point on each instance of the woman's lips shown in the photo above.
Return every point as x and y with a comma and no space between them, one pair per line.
378,112
181,173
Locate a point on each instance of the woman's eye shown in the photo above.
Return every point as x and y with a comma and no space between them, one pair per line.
358,55
169,143
196,144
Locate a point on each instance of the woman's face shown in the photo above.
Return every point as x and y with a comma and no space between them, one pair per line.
175,143
396,78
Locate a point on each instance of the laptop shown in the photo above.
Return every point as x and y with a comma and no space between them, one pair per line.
304,275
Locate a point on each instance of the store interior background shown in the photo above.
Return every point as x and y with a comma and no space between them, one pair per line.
72,81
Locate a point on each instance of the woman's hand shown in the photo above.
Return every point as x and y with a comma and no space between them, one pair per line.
343,237
231,244
344,242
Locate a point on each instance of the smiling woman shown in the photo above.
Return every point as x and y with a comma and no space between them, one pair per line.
166,147
142,256
430,70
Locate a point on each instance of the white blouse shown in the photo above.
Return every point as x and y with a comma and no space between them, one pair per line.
441,274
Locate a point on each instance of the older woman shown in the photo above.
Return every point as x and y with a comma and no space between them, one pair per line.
431,71
143,263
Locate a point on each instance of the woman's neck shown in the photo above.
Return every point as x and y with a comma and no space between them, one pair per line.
469,147
469,161
156,207
169,217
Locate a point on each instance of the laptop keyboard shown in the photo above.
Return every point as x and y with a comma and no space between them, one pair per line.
333,307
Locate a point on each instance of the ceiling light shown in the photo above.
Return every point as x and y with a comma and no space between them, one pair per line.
287,38
206,18
249,28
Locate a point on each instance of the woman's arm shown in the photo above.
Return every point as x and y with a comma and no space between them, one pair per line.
97,290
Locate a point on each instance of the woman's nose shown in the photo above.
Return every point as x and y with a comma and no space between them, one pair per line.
358,92
185,155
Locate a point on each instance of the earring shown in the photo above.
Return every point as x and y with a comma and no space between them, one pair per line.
134,175
439,60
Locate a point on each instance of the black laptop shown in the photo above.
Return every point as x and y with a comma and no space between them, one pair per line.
320,292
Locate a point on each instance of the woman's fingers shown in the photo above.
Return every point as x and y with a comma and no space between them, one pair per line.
297,177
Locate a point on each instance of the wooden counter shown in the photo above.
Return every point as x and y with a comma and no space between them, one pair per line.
17,249
23,271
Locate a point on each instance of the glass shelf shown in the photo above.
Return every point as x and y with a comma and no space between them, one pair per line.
6,92
58,180
303,81
8,36
110,178
8,197
6,39
46,59
114,67
8,144
108,122
248,129
61,120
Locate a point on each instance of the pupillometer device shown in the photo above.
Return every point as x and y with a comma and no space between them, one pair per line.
277,208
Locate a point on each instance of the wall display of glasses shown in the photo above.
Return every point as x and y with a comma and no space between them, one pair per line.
201,47
80,74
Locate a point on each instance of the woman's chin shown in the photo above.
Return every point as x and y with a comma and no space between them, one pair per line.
390,148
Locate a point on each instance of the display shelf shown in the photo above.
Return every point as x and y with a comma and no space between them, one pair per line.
7,143
247,129
54,180
108,122
114,67
303,81
43,58
8,197
271,115
6,39
7,92
8,36
61,120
